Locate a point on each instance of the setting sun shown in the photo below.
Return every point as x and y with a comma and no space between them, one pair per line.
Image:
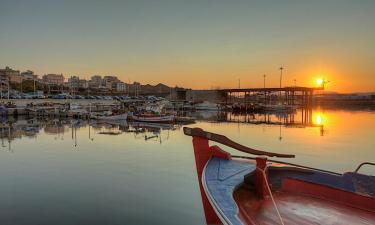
319,81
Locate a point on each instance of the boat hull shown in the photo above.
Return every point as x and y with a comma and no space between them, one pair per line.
245,190
123,116
154,119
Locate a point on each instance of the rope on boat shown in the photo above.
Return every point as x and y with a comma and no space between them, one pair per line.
269,190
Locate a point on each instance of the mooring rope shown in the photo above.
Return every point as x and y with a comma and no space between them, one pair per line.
269,190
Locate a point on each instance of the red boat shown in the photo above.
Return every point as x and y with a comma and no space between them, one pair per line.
248,190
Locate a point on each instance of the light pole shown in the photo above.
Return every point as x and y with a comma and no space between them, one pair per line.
281,75
281,78
295,83
34,87
264,86
264,80
21,84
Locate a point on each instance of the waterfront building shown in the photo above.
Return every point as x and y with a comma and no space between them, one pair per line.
83,83
121,87
73,82
8,72
108,85
95,81
110,82
53,79
15,79
6,76
29,75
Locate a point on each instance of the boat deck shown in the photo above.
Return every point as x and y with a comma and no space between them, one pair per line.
298,209
234,204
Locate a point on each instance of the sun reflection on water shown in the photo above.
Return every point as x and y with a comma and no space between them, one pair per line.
319,119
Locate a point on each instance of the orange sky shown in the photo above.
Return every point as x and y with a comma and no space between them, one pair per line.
195,44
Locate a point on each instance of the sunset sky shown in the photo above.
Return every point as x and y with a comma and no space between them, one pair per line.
197,43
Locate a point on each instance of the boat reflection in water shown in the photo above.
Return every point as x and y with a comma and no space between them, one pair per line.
13,128
68,170
20,128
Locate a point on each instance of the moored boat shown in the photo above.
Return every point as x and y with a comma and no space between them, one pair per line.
248,190
123,116
153,118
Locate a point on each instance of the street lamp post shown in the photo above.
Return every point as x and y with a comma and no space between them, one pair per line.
34,87
264,86
281,75
21,85
264,80
281,78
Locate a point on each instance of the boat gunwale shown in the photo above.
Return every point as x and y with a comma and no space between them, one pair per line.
223,218
290,164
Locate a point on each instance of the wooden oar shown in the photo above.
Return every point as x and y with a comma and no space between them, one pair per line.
197,132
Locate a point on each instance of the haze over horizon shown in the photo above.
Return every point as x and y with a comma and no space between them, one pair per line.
195,44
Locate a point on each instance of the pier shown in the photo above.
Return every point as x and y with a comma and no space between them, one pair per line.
287,95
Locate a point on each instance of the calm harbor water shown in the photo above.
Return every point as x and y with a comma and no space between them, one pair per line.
80,172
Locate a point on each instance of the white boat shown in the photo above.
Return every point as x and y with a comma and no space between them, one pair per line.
153,118
208,106
123,116
76,110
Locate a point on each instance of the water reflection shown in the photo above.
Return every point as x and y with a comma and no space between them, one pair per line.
302,118
69,170
17,128
298,118
21,128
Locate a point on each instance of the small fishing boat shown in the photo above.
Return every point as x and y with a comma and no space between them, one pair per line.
153,118
76,110
123,116
184,119
256,190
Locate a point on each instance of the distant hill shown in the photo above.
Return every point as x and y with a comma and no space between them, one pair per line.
157,89
148,89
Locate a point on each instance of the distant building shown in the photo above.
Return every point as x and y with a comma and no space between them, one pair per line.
83,83
8,74
110,82
76,82
53,79
29,75
111,79
16,79
73,82
96,81
120,87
